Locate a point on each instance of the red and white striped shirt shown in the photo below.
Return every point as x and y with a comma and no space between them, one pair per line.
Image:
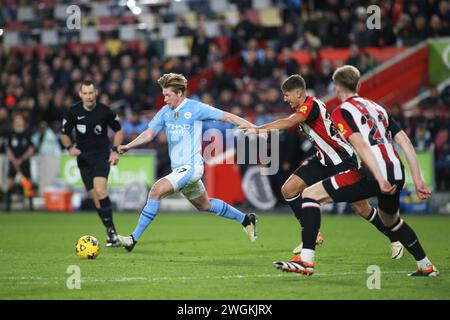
331,148
361,115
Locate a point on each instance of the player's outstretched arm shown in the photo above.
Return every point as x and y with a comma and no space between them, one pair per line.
143,138
366,155
422,190
236,120
282,124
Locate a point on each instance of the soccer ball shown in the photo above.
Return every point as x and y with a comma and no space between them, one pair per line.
87,247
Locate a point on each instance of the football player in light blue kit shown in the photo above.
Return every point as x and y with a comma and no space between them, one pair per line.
182,120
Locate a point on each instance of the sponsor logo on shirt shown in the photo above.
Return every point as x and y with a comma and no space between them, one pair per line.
303,109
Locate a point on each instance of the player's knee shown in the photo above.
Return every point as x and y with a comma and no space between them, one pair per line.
100,192
361,208
388,219
203,206
155,193
289,190
310,194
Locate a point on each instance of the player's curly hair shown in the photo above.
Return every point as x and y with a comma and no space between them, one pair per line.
347,77
173,80
295,81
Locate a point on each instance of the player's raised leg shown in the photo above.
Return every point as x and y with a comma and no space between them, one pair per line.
197,195
158,191
292,192
313,197
369,213
408,238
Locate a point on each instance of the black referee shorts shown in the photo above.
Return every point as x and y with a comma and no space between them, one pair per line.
359,184
91,165
24,167
312,170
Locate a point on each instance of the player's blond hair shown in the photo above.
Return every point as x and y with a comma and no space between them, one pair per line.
347,77
173,80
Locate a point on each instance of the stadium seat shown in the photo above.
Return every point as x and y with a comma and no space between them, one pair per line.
128,33
253,16
15,26
89,34
271,17
231,17
178,7
25,13
211,28
11,38
176,47
261,4
59,12
191,19
168,30
49,37
101,10
148,19
441,139
219,5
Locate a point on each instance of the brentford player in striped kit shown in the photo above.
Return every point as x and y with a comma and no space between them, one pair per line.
370,131
334,154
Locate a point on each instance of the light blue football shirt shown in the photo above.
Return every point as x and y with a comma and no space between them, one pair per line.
184,134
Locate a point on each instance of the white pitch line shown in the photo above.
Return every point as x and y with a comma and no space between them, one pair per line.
28,280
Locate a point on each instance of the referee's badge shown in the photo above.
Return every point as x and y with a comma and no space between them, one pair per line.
81,128
176,115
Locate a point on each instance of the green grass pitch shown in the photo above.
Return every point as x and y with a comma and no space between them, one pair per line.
201,256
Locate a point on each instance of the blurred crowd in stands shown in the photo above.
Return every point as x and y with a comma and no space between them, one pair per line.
43,86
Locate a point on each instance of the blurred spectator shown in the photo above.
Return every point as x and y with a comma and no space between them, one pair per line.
445,96
397,113
422,138
420,31
221,78
287,62
338,38
5,127
133,125
45,141
433,99
385,36
288,36
437,27
200,46
403,30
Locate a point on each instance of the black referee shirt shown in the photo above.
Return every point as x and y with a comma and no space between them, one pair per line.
19,143
91,126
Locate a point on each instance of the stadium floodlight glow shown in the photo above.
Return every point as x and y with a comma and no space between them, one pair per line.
136,10
142,26
131,4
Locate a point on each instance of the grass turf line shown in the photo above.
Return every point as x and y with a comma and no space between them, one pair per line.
201,256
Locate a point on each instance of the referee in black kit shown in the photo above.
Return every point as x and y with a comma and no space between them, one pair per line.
91,120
